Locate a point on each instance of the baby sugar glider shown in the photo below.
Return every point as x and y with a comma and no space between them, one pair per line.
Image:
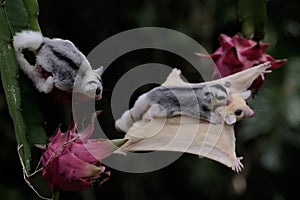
56,63
237,109
195,101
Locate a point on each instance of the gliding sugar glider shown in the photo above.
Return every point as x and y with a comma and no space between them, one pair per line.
194,101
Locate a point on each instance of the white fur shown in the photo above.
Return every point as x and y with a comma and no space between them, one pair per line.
27,39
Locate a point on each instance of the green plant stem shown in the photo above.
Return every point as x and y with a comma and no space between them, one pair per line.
56,195
253,15
32,8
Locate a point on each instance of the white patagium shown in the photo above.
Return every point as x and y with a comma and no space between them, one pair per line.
63,63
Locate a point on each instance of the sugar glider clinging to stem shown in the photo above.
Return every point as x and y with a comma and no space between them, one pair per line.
195,101
56,63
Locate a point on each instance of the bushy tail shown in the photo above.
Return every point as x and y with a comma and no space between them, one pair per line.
27,40
31,41
135,114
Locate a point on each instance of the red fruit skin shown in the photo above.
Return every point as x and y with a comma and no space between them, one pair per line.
237,54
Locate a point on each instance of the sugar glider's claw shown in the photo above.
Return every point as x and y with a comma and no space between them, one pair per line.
237,166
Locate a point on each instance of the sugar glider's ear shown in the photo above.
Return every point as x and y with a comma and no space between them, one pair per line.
227,84
245,95
99,71
230,119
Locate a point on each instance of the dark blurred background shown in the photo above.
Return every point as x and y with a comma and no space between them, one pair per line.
269,142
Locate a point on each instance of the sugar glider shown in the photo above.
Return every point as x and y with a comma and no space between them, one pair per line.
56,63
198,101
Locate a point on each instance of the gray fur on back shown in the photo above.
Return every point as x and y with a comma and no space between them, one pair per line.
62,59
198,102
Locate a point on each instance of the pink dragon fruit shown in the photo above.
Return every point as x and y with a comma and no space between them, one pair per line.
72,161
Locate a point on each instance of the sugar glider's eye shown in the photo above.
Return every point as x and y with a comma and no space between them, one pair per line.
98,91
238,112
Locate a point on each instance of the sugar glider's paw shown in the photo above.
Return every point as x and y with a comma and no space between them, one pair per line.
237,165
266,71
48,85
177,71
147,116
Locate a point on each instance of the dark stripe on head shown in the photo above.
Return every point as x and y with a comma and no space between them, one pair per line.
219,87
39,48
65,58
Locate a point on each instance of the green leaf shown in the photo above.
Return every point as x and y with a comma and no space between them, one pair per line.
9,73
22,99
253,15
119,142
12,92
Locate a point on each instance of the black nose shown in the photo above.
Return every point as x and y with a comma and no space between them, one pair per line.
98,91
